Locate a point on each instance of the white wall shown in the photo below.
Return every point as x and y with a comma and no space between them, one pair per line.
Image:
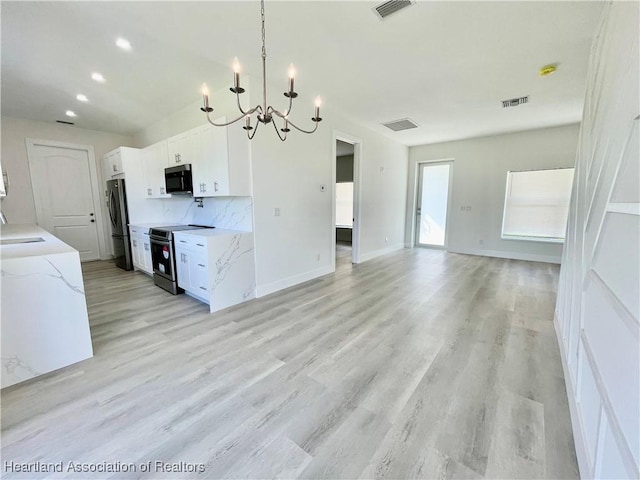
598,311
297,245
479,180
19,206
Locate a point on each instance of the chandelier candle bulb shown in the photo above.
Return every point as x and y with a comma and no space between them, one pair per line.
318,102
236,75
292,76
205,95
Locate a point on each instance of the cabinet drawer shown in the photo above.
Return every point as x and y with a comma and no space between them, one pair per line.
198,244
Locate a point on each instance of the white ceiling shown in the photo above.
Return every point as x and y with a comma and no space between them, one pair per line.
445,65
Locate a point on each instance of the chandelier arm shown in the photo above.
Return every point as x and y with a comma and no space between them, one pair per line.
282,115
244,114
255,130
275,127
239,106
301,129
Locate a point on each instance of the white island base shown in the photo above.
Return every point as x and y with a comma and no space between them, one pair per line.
44,320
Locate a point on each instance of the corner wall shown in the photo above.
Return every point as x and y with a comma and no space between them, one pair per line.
598,308
479,180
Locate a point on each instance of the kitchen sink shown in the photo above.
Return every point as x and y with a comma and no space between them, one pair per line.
13,241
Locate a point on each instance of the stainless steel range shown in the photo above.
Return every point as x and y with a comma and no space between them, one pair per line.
163,256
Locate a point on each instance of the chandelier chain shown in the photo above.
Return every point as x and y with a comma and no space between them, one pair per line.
264,49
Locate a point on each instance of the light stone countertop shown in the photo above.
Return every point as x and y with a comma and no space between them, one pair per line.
149,225
50,246
209,232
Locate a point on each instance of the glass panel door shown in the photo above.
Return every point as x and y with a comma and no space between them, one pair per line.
433,201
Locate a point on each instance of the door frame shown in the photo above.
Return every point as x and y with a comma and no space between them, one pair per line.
418,198
357,171
93,177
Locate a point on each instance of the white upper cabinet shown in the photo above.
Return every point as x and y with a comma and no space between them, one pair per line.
112,162
154,161
179,149
211,162
221,162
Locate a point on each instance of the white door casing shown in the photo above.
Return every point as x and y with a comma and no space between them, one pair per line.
65,193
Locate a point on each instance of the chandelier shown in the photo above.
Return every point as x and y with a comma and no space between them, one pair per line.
265,114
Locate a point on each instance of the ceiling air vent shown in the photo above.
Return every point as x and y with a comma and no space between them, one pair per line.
392,6
65,123
514,102
403,124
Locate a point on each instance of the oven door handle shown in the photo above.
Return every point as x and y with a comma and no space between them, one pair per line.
160,242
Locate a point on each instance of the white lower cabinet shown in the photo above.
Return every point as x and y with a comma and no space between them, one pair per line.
141,249
216,266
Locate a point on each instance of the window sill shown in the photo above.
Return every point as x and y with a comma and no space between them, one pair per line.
533,239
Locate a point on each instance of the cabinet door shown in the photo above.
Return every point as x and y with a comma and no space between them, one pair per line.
116,164
146,254
154,160
211,166
182,268
179,149
107,165
198,274
136,245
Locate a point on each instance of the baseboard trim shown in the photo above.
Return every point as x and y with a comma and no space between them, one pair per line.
579,440
377,253
269,288
531,257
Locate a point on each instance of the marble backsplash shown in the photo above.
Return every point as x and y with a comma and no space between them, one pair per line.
234,213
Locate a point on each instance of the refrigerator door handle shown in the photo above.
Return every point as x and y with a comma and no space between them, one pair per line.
111,209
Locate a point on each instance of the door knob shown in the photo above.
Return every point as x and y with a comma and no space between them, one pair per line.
92,220
91,214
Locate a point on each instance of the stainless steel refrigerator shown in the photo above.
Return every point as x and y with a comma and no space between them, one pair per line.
117,206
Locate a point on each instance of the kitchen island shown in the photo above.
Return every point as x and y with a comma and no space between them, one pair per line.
43,312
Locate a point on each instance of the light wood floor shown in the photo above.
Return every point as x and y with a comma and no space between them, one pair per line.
419,364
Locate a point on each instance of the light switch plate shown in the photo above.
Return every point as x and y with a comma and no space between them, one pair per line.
323,188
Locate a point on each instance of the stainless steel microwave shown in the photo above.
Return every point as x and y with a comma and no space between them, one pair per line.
178,180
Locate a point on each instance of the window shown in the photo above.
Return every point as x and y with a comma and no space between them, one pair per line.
537,205
344,204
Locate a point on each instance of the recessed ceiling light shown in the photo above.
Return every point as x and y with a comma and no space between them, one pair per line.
98,77
69,113
82,98
123,43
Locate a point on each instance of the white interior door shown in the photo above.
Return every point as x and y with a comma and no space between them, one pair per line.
63,196
432,210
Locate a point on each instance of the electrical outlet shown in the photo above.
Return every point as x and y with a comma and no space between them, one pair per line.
276,212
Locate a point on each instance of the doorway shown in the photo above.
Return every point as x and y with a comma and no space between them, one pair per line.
64,182
344,201
432,208
346,217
